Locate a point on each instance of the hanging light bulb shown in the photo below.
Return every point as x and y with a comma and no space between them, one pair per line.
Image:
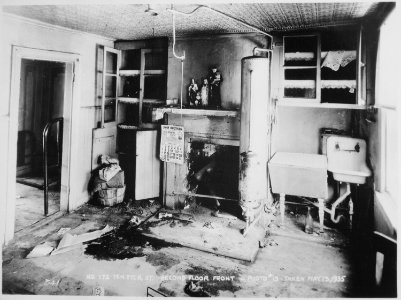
151,11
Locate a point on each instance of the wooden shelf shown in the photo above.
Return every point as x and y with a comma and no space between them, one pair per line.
144,126
154,72
325,84
203,112
299,67
155,101
138,72
129,100
307,56
306,103
129,72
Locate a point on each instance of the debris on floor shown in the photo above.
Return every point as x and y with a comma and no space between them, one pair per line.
208,225
194,289
267,242
225,215
135,221
106,185
163,215
107,160
80,246
127,249
41,250
63,230
69,241
124,242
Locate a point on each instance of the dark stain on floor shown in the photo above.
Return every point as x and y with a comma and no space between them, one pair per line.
214,285
123,243
161,259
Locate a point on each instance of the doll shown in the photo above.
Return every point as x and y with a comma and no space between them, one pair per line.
215,80
192,91
198,99
205,92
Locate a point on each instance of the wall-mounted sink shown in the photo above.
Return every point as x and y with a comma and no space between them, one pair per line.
346,159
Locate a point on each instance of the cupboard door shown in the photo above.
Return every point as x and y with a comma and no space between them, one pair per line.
104,137
103,142
147,171
110,84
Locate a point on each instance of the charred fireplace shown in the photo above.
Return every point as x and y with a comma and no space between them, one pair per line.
213,175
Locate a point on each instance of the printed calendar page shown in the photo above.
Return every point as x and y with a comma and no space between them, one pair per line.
172,144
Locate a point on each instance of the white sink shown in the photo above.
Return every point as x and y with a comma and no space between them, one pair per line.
346,159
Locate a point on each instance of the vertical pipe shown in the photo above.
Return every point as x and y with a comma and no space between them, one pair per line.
254,139
45,181
59,122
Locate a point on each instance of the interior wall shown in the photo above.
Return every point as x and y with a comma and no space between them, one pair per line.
25,33
297,128
201,53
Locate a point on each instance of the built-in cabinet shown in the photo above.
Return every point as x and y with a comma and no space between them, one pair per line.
143,81
323,68
132,80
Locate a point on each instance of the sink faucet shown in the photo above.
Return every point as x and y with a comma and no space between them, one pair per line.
356,148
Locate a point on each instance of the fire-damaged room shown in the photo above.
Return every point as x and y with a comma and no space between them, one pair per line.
200,150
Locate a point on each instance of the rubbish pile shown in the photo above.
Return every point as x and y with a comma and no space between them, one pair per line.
107,186
68,242
194,289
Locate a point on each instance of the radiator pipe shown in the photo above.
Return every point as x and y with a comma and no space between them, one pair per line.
257,49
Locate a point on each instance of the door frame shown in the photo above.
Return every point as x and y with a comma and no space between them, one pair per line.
70,114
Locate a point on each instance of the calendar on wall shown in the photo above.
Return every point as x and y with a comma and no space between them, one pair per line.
172,144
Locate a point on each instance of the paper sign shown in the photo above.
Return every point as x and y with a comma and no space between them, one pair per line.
172,144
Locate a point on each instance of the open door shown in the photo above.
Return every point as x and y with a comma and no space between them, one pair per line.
107,82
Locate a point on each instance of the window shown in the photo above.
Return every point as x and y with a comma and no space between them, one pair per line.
387,98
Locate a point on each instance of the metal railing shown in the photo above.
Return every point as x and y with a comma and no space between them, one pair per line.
59,136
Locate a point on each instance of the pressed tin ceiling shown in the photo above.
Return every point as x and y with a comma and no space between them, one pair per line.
127,22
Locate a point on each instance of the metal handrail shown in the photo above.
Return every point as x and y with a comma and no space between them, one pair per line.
45,160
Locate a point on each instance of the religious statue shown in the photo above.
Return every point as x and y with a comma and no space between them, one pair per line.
205,92
198,99
215,80
192,91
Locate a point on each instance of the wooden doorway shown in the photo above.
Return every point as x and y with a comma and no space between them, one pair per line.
40,115
70,108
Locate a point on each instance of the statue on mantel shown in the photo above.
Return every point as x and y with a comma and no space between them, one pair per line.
198,100
215,80
192,91
205,92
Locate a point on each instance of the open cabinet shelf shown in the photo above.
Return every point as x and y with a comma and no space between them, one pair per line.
143,82
129,100
322,68
325,84
138,72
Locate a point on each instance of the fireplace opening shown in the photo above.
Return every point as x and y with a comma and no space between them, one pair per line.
213,171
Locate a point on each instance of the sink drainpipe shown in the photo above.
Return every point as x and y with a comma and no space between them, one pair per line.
338,201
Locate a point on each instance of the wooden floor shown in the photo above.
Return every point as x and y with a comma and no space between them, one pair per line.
208,233
294,264
30,207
